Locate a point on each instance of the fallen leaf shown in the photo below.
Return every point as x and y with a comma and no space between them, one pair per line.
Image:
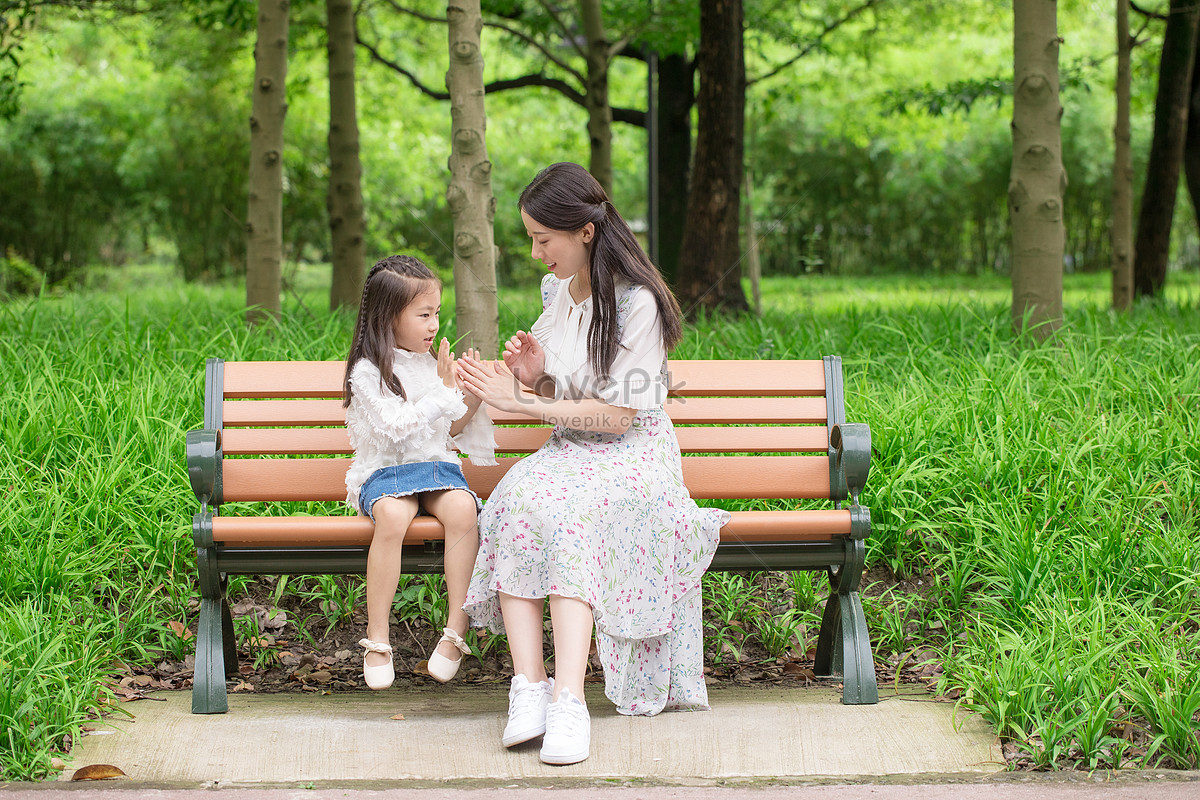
242,686
57,764
321,676
180,630
397,716
97,772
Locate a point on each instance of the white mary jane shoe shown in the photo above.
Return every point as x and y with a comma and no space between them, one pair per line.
441,668
380,677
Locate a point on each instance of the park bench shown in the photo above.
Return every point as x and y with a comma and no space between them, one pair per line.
762,430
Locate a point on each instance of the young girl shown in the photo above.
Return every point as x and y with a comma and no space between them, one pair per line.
405,411
598,520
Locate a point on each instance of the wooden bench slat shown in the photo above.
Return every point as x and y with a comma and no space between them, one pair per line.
336,441
744,526
718,378
683,410
790,477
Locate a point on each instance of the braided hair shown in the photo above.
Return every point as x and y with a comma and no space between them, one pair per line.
390,287
565,197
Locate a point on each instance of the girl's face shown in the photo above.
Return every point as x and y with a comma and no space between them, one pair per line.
565,253
416,327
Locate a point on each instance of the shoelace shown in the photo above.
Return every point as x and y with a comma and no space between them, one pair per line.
568,709
526,698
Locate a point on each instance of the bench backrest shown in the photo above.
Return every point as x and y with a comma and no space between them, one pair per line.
747,429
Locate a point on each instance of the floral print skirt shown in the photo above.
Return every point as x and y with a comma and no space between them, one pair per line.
606,518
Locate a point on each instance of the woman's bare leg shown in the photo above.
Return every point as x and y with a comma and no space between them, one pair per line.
523,624
572,620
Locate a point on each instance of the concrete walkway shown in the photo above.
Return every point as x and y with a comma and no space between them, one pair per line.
452,733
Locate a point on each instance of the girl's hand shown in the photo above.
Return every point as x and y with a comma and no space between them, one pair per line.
445,365
525,358
471,400
492,382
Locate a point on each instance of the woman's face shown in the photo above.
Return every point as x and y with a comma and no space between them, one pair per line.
565,253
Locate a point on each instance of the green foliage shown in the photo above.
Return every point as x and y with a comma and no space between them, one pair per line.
18,276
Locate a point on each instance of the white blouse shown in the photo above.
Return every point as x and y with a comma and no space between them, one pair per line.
637,377
387,430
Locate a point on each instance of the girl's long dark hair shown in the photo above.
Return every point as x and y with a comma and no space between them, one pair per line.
565,197
390,286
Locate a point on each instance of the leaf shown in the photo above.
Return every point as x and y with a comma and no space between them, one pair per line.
397,716
97,772
180,629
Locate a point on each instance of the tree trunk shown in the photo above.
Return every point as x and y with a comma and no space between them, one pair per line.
1037,180
1191,147
264,219
469,195
1122,211
347,227
596,97
676,96
710,257
1153,243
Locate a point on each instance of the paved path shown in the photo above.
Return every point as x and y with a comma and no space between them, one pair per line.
453,733
757,743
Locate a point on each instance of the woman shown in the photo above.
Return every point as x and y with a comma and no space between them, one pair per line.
597,520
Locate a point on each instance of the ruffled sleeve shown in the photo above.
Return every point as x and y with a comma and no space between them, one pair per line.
399,420
477,439
636,378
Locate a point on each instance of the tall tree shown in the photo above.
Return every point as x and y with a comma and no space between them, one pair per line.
1153,243
1122,210
596,97
264,220
1037,180
469,195
711,247
1191,148
346,224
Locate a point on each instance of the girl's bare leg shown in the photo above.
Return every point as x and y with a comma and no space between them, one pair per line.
457,512
523,624
392,518
572,620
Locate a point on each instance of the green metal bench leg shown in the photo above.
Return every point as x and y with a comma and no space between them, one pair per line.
208,679
844,644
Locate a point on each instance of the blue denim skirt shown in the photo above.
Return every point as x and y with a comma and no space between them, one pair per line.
408,479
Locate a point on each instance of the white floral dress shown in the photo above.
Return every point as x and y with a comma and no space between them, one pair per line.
606,517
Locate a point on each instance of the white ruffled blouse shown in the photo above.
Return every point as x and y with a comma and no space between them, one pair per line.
637,377
387,430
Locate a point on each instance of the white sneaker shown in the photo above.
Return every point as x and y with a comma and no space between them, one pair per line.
568,731
526,710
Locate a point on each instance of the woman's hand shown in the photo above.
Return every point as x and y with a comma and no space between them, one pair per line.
493,383
525,358
445,365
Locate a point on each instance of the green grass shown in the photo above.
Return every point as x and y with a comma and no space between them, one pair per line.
1043,496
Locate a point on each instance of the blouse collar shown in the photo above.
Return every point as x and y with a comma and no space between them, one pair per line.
583,305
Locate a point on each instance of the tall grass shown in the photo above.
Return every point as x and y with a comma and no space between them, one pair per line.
1044,496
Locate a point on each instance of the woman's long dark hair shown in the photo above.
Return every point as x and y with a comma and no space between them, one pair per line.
565,197
390,286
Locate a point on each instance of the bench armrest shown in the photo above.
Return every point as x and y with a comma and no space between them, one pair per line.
850,443
204,465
